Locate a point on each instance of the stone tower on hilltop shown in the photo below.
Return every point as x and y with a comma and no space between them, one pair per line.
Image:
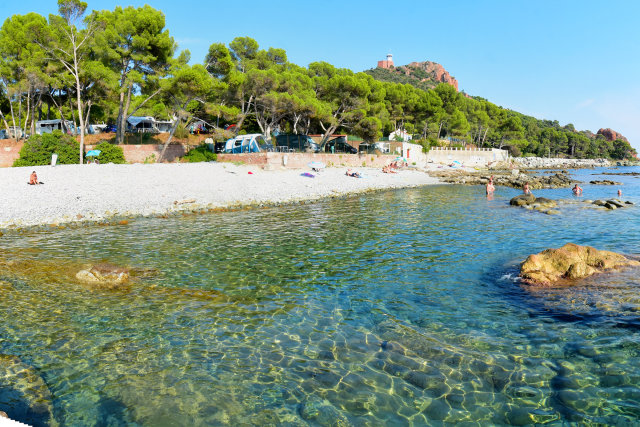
388,63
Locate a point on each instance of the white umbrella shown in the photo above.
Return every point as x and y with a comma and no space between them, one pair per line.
316,165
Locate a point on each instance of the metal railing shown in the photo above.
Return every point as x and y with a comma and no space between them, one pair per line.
460,149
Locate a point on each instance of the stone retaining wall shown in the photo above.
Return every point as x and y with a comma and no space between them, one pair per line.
468,157
300,160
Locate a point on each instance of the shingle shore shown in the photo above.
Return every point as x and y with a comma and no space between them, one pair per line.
73,193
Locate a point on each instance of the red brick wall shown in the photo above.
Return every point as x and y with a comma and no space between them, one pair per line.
300,160
140,153
9,152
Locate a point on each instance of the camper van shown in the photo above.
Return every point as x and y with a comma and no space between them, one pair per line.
250,143
296,143
142,124
48,126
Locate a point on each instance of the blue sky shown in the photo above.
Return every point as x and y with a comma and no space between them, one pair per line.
572,61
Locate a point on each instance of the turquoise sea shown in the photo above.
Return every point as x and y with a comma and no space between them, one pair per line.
394,308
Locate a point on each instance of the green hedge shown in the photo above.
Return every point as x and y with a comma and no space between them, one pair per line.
110,153
38,149
200,154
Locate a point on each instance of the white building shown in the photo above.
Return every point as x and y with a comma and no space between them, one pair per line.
406,136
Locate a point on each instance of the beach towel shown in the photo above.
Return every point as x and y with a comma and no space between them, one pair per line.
308,175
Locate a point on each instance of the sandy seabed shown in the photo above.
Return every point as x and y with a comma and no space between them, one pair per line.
72,193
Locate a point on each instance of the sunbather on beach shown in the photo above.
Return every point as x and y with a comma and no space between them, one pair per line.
352,173
33,179
387,169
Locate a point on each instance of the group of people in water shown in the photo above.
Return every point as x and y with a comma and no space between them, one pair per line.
491,188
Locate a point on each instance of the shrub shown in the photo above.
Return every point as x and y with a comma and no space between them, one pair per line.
110,153
181,132
200,154
38,149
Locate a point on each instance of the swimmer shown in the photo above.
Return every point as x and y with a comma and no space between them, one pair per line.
490,187
525,188
619,193
577,190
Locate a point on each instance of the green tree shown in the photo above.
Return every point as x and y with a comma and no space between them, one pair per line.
186,85
22,69
137,48
70,46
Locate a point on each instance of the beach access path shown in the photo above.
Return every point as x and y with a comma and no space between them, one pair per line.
76,193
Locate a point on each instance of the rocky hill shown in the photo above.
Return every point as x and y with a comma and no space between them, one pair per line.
423,75
611,135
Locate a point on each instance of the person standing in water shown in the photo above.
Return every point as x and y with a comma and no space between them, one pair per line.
577,190
525,188
490,187
619,192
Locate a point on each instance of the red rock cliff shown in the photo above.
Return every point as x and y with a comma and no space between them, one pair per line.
611,135
434,70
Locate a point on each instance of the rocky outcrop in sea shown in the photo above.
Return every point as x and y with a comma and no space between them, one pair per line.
508,178
553,163
568,263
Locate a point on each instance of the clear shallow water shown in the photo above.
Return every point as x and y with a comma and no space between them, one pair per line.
397,308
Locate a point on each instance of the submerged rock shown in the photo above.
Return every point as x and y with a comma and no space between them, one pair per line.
104,274
569,262
23,393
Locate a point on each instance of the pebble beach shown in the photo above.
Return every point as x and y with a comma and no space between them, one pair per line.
76,193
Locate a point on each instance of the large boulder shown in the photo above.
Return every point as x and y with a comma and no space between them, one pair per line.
522,200
570,262
105,275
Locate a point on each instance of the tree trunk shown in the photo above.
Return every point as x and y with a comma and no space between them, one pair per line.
245,108
143,102
86,120
119,130
6,125
79,100
166,144
73,115
330,130
26,119
18,137
122,120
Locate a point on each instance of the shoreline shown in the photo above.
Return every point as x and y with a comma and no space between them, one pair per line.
79,194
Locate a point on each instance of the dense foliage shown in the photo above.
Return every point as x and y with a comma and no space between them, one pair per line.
423,82
124,62
38,149
110,153
200,154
